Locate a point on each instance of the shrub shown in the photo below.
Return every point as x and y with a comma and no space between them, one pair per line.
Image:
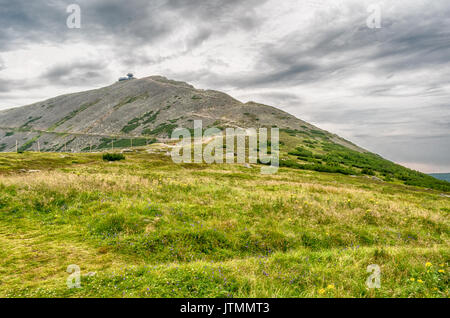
368,171
301,152
113,157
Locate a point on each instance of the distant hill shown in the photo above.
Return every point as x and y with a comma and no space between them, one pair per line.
140,111
441,176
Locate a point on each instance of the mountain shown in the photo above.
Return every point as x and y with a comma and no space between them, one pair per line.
152,106
140,111
441,176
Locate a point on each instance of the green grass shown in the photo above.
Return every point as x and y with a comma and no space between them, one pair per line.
28,143
136,122
152,228
163,129
30,121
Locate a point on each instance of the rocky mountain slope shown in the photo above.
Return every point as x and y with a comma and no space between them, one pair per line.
148,107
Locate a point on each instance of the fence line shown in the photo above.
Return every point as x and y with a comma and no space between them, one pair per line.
112,137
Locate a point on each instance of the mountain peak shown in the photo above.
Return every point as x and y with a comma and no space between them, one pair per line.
148,107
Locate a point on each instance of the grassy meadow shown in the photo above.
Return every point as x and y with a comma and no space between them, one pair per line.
146,227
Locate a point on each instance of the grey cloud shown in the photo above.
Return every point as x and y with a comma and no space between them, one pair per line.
76,74
406,43
233,13
24,22
136,23
125,25
199,38
7,85
297,73
69,74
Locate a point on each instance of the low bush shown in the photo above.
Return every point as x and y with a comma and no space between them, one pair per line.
113,157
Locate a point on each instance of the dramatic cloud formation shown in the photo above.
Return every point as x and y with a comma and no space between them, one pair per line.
386,89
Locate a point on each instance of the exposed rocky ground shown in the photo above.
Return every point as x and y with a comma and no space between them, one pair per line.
145,109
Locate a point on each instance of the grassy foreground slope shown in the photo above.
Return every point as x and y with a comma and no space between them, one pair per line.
150,228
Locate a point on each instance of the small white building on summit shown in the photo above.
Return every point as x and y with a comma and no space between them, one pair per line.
130,76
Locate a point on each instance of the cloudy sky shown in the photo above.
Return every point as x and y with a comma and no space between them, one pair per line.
386,89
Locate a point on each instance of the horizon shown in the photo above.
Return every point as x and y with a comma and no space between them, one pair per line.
385,89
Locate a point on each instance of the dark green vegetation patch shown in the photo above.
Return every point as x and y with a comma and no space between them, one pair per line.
113,157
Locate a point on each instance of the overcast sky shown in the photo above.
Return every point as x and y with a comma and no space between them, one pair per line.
386,89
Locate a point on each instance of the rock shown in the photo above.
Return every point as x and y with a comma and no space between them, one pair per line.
29,171
445,195
126,150
247,165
